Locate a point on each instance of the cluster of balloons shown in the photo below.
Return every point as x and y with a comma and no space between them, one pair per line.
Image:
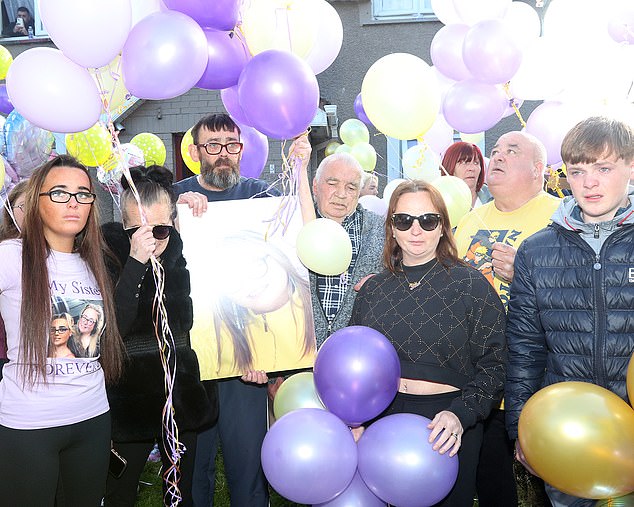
356,141
579,437
309,455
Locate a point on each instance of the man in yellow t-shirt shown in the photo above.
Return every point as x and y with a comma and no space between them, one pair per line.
487,238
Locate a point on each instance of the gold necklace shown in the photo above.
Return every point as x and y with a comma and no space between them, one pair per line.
413,285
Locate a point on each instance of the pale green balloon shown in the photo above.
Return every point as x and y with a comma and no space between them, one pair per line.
297,391
331,148
365,155
353,132
324,247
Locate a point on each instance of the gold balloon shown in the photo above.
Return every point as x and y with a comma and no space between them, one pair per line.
456,195
324,247
297,391
189,162
579,438
331,148
630,381
401,96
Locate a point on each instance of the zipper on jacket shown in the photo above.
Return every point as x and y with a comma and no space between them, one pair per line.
596,231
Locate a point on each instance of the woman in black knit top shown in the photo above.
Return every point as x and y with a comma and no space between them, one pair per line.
137,401
446,323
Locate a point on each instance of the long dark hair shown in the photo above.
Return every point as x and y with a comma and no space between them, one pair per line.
36,308
8,227
463,152
446,252
236,319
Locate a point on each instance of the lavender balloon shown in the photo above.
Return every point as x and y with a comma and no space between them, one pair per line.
231,102
227,56
357,373
356,494
309,456
218,14
490,52
471,106
5,103
255,153
399,465
279,94
446,51
164,56
360,112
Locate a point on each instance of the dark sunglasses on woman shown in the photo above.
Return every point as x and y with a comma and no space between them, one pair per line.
158,231
427,221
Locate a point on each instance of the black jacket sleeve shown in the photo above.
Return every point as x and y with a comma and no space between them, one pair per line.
126,294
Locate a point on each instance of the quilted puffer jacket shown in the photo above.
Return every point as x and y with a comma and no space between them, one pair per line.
571,311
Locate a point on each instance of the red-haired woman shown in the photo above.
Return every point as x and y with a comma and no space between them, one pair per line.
465,161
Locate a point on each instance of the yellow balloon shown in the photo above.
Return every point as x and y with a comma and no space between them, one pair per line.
365,155
630,381
91,147
324,247
297,391
288,25
353,131
5,61
189,161
457,197
344,148
579,437
2,172
401,96
472,138
331,148
109,80
153,148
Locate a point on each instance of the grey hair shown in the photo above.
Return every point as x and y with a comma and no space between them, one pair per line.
346,158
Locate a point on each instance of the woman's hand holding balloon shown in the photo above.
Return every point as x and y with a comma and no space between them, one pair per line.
142,244
446,432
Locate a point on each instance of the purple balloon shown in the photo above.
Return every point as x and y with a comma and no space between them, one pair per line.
360,112
5,103
279,94
621,23
309,456
399,465
356,494
255,153
218,14
471,106
446,51
164,56
231,102
490,52
227,58
357,373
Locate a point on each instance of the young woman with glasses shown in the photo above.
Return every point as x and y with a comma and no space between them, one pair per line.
61,332
447,324
89,326
54,414
137,401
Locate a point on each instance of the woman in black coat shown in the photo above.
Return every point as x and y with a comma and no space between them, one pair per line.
137,401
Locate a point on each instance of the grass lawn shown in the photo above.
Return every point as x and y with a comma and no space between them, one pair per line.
150,490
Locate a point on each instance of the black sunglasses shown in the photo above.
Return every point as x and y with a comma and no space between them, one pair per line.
427,221
158,231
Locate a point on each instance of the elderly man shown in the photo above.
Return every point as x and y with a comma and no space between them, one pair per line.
520,208
336,188
586,254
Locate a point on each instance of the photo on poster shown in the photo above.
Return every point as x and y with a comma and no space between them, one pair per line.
76,328
250,292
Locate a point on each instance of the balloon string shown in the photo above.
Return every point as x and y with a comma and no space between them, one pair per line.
513,104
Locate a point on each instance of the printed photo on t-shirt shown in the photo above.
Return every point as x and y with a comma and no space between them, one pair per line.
76,328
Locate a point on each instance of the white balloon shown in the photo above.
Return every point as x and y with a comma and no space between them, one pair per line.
421,163
523,22
143,8
374,203
390,187
329,37
79,30
445,11
440,136
474,11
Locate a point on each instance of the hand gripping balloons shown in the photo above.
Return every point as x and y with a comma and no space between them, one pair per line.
309,456
399,465
297,391
324,247
579,437
357,372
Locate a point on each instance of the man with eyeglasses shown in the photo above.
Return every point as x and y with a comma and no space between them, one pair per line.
242,420
489,236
